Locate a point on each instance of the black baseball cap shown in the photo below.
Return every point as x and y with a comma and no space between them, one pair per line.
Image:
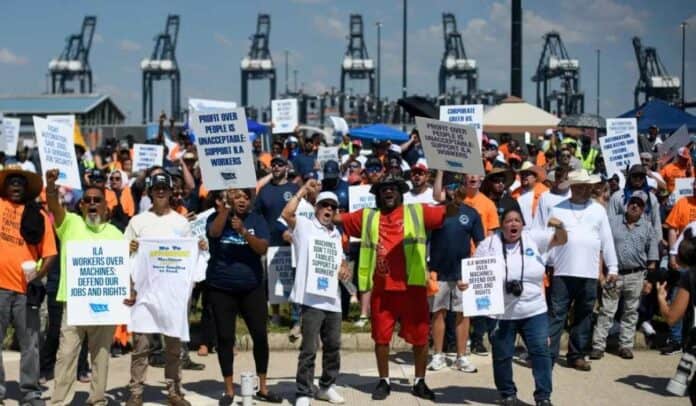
161,179
331,170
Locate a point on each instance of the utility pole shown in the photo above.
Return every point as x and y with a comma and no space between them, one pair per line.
597,81
683,87
403,69
379,59
516,49
294,73
287,85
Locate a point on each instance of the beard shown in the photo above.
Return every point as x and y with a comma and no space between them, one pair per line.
94,220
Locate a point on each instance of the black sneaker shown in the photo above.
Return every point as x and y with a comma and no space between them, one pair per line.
226,400
382,390
545,402
596,354
192,366
509,401
422,391
479,349
671,348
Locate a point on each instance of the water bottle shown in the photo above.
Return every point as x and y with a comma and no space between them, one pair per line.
250,385
680,382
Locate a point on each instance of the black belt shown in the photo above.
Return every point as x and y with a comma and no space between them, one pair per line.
630,271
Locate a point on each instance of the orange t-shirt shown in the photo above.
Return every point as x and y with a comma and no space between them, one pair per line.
505,149
15,250
671,172
541,159
265,159
683,213
181,210
486,209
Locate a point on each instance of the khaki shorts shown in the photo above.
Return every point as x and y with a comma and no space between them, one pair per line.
447,297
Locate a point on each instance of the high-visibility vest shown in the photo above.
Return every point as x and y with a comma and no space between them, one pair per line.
588,162
413,241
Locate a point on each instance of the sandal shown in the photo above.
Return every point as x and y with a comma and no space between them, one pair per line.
269,397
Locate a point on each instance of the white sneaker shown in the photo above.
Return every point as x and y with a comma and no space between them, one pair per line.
437,362
330,395
463,364
303,401
647,328
362,322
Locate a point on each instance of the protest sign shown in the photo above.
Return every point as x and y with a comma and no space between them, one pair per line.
683,187
56,151
620,145
224,149
284,115
203,105
340,125
280,274
668,149
323,264
450,147
98,280
3,144
10,131
146,156
484,296
327,154
359,197
467,114
198,226
65,119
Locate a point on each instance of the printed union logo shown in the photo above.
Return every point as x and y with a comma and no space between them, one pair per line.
454,164
287,196
464,219
483,303
99,307
529,252
228,175
322,283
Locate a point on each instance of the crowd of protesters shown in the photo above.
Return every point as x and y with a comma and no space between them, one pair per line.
584,251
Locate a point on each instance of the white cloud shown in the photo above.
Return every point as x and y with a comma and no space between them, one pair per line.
8,57
129,46
330,26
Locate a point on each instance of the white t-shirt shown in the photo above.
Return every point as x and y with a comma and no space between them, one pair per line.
547,200
589,234
148,224
673,250
425,197
534,244
304,231
306,210
526,200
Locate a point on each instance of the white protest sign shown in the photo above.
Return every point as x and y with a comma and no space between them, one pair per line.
450,147
198,226
484,296
67,119
359,197
467,114
669,148
280,274
10,131
323,265
683,187
326,154
284,115
224,149
340,125
210,105
146,156
620,145
56,151
98,280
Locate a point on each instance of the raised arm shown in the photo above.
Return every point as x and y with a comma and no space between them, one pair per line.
439,194
288,213
221,215
52,200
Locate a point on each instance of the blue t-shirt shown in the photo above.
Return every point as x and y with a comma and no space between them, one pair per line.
233,265
270,203
452,242
341,191
413,154
303,163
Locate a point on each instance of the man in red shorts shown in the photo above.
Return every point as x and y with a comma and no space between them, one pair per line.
392,264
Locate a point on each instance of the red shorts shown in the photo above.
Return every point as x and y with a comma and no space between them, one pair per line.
409,308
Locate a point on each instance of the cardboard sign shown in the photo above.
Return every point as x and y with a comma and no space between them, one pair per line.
327,154
284,115
467,114
10,132
98,280
224,149
210,105
57,151
323,264
146,156
485,276
620,145
280,274
683,187
450,147
340,125
359,197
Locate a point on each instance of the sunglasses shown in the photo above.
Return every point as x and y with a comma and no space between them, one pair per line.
278,164
115,179
17,181
373,169
92,199
497,179
325,205
417,173
354,166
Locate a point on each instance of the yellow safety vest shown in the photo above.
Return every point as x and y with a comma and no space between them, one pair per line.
414,246
588,163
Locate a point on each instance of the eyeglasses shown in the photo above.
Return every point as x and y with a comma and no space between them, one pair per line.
92,199
17,181
325,205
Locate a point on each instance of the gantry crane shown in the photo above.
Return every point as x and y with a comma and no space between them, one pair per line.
162,65
356,63
73,62
258,64
653,79
556,63
454,61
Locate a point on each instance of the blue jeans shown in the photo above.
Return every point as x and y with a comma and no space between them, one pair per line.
481,325
535,333
583,293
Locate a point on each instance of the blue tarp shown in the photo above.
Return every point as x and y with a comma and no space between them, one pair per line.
660,113
379,132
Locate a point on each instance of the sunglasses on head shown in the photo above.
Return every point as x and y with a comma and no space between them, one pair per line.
326,204
92,199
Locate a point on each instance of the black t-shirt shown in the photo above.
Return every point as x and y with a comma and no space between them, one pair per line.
452,242
270,203
233,265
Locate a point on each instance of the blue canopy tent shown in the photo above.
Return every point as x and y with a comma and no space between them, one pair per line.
658,112
379,132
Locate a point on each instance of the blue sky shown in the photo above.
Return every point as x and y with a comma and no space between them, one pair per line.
214,36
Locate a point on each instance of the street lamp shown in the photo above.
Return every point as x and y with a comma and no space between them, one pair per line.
287,86
683,88
598,82
379,58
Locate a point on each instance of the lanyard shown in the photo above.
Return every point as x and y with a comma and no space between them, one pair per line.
502,241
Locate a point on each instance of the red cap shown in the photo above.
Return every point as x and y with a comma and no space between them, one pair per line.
356,142
419,166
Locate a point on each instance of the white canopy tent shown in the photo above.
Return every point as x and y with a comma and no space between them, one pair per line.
514,115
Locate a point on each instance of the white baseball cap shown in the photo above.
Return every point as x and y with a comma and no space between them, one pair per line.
327,196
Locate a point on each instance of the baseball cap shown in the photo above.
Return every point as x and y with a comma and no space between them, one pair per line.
311,175
161,179
548,132
637,169
291,139
419,166
493,141
639,195
357,143
280,158
331,170
684,152
372,162
97,175
327,196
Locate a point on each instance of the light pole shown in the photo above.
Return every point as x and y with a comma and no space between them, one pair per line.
598,82
403,70
379,58
683,88
294,73
287,85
